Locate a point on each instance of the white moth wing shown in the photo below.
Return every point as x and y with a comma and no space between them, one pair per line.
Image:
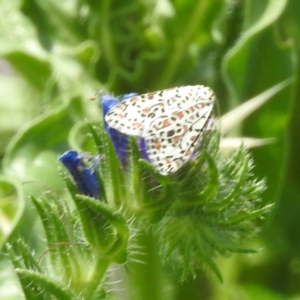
170,141
129,116
171,121
133,115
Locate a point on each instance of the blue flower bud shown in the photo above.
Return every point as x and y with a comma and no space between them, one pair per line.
84,175
119,139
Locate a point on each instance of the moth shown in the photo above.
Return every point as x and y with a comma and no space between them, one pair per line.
170,121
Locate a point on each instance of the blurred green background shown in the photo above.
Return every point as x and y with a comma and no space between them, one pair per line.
56,54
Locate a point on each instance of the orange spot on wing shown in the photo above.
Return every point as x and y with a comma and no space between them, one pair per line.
134,99
157,144
175,139
180,115
121,115
138,125
146,110
166,123
188,152
151,95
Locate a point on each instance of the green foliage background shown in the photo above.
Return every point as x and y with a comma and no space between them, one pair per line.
56,54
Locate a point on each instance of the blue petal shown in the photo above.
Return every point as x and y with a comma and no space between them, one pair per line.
119,139
143,149
85,176
127,96
108,101
120,142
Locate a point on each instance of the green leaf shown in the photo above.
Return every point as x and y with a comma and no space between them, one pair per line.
10,288
26,260
63,245
110,171
23,107
238,57
39,286
12,206
113,236
62,24
238,114
32,154
253,291
36,71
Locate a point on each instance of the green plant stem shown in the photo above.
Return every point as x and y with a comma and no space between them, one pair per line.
182,41
147,279
95,276
106,38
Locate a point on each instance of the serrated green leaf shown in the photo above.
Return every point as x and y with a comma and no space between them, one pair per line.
104,228
39,286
